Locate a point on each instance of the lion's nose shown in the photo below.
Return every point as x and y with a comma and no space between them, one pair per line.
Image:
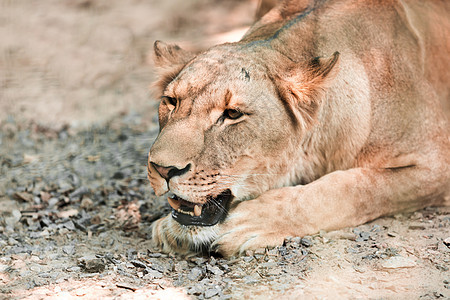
169,172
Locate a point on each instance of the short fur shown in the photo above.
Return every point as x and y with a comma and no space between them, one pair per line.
342,122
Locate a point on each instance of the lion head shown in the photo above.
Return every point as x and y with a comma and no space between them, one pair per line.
232,122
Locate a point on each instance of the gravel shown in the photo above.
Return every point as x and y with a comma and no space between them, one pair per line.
81,210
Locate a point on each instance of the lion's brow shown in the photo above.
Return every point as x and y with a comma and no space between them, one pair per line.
227,98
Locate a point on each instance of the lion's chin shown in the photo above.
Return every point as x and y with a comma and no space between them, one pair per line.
215,210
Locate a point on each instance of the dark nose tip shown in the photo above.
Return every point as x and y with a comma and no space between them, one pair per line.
169,172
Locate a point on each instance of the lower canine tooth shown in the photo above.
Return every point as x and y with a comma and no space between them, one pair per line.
197,210
174,203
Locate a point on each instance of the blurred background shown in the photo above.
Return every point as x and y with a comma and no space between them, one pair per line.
77,119
82,62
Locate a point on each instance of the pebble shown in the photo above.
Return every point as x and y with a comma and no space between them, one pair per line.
397,262
73,269
306,242
69,249
52,202
138,264
86,203
417,226
4,268
195,274
196,290
69,225
152,274
215,270
363,236
203,277
91,264
35,268
81,191
211,293
248,259
249,279
447,242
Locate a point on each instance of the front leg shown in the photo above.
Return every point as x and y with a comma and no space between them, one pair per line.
337,200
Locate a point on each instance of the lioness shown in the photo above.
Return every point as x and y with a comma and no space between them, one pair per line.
326,114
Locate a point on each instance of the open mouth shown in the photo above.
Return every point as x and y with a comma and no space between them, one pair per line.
212,212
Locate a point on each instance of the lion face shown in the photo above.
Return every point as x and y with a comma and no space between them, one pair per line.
230,129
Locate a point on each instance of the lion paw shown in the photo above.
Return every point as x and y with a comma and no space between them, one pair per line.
171,237
248,227
167,236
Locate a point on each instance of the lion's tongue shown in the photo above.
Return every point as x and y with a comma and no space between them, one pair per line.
176,204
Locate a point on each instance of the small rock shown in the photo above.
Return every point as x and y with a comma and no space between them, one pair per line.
283,251
16,215
212,261
195,274
69,249
270,264
152,274
79,192
397,262
363,236
45,196
214,270
211,293
297,240
441,267
155,255
52,202
4,268
138,264
12,241
68,213
86,203
447,242
24,196
416,226
195,290
443,248
69,225
306,242
250,280
73,269
375,228
91,264
248,258
35,268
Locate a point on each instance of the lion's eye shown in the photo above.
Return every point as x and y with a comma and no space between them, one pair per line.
170,102
232,114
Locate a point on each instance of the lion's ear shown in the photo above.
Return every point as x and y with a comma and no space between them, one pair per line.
170,60
303,87
324,69
168,55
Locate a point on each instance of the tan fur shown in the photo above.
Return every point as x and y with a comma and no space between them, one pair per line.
326,140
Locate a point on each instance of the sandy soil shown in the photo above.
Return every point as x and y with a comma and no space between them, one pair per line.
71,66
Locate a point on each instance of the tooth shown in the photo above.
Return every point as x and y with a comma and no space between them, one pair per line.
174,203
197,210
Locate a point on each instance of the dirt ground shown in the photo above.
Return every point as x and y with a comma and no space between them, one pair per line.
76,122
